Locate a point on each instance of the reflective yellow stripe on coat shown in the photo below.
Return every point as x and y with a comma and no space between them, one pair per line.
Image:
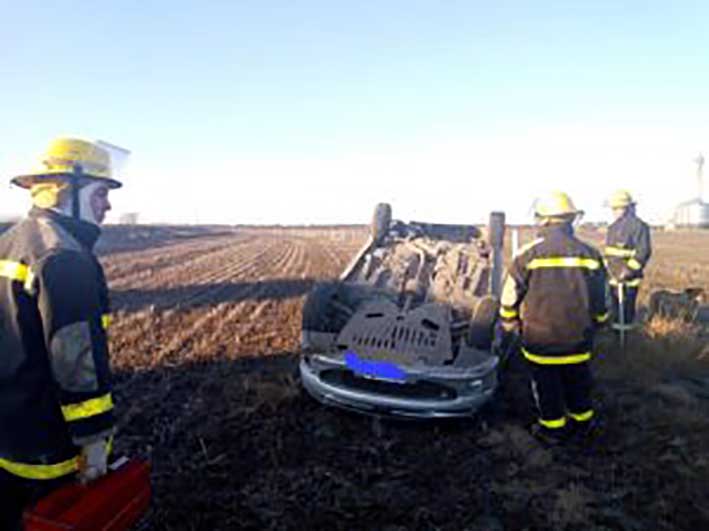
554,424
568,359
53,471
106,320
582,417
564,261
508,314
634,264
17,271
89,408
28,471
619,252
601,318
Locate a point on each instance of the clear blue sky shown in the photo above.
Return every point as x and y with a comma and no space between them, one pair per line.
258,111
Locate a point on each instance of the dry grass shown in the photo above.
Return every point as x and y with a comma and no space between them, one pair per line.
573,506
663,347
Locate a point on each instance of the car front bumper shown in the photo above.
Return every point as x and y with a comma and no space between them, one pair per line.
463,392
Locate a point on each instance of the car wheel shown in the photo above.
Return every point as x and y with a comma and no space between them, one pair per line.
482,323
328,307
381,221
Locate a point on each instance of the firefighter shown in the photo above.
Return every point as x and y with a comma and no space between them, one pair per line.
627,252
553,298
56,409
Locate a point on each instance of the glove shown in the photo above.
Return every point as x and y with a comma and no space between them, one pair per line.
93,461
506,334
622,273
626,274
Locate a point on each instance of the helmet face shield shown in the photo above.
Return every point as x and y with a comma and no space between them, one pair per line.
578,218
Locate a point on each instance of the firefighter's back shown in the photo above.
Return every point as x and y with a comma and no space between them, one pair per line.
558,307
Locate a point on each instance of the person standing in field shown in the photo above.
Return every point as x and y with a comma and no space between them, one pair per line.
56,408
553,298
627,252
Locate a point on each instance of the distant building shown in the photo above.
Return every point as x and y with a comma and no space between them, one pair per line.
695,212
128,218
691,214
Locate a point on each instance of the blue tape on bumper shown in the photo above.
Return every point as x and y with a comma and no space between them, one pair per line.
379,369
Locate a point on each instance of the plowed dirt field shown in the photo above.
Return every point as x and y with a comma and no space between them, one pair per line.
204,345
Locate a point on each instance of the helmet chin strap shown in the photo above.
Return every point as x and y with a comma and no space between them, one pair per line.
80,204
74,185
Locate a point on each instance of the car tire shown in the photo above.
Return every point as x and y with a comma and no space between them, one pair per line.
329,306
311,341
381,221
482,323
316,309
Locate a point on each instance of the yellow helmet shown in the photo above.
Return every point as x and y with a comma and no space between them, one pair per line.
556,204
61,159
620,199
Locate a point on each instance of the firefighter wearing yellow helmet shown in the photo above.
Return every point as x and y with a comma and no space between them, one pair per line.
553,299
56,407
627,252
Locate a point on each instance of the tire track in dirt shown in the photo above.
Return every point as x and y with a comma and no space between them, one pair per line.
240,269
243,262
288,268
274,323
146,330
263,318
185,316
242,317
242,323
177,267
134,265
200,327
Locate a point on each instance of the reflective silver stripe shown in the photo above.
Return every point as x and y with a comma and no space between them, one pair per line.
627,283
509,292
527,246
72,358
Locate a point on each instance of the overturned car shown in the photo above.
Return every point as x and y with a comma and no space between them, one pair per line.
407,330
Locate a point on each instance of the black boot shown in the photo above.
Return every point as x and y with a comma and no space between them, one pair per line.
549,437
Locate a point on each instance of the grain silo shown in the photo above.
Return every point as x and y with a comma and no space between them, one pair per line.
695,212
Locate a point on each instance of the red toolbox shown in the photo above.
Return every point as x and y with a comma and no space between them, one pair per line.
114,502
